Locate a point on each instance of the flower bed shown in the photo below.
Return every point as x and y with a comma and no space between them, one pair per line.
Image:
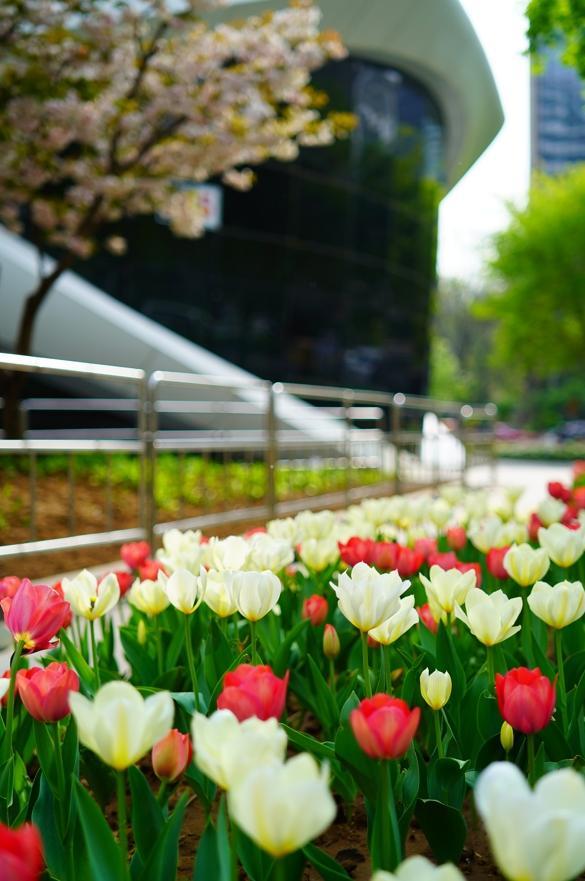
317,699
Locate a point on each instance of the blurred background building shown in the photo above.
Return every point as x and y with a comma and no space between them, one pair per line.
558,115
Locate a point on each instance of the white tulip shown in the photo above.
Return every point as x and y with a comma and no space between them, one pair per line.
89,598
319,553
269,553
534,835
525,564
226,750
219,594
185,591
285,529
484,534
563,545
182,550
282,807
420,869
445,589
149,596
435,688
439,513
256,593
394,627
228,554
490,616
119,725
560,605
551,510
367,598
315,524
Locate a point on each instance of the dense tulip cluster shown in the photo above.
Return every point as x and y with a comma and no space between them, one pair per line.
394,649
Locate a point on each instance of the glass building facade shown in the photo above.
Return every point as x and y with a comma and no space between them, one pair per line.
558,115
323,273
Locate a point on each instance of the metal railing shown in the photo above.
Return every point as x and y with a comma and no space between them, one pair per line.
374,442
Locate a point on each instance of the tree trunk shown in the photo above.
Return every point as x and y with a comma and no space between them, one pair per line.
14,381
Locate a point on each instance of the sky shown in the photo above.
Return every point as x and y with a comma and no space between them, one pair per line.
475,208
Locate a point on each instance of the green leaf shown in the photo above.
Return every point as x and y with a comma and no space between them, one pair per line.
207,860
77,660
45,816
104,855
444,827
256,862
45,754
223,843
446,781
164,856
281,659
147,818
448,660
143,665
328,868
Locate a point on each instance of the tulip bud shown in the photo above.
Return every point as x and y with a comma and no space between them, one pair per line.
456,538
141,632
507,736
435,688
315,608
172,755
331,644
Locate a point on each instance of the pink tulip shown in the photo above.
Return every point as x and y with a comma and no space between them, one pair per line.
34,615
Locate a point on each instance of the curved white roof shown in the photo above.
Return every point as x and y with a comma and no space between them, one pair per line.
434,41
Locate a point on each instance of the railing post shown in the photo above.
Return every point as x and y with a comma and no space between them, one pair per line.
271,448
491,411
398,402
347,401
466,413
148,426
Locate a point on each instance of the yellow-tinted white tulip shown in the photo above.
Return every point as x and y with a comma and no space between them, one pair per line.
551,510
283,806
484,534
89,598
315,524
445,589
394,627
560,605
269,553
219,594
563,545
435,688
182,550
119,725
227,750
228,554
367,598
439,513
285,528
420,869
511,533
149,596
256,593
319,553
378,511
507,736
534,835
452,494
490,616
526,565
500,504
186,591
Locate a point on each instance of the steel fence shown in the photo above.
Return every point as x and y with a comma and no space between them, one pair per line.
237,446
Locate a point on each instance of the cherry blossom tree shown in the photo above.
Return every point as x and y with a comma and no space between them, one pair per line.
108,106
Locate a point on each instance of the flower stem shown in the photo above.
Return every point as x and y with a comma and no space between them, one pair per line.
278,871
94,654
253,649
11,694
491,667
562,683
122,818
191,661
531,768
162,796
159,648
387,665
438,735
332,675
391,849
60,776
365,663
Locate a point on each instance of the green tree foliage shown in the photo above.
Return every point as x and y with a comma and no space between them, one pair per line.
554,21
539,268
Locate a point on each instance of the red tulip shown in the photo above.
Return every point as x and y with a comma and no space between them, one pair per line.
316,609
526,699
21,853
172,755
456,538
495,562
34,615
331,644
385,554
408,562
256,530
579,497
135,554
4,700
446,560
253,691
558,490
149,570
426,617
534,525
426,547
9,585
357,550
384,726
373,643
45,690
467,567
125,581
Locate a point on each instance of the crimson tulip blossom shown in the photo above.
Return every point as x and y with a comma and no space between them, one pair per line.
357,550
384,726
34,615
526,699
21,853
316,609
456,538
135,554
385,555
44,691
495,562
426,617
253,691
